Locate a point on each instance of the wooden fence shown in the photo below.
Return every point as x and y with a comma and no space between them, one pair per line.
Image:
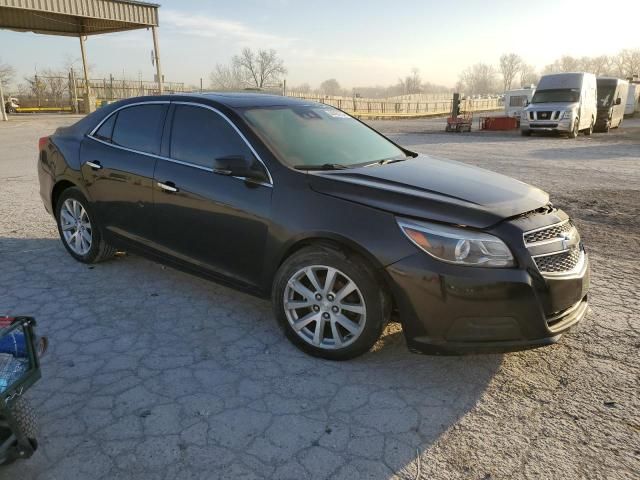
384,108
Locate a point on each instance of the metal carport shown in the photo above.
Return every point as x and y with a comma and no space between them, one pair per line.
80,18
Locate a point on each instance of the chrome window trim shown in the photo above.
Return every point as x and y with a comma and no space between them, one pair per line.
181,162
233,125
150,102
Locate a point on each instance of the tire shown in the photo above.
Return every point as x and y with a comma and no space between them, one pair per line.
25,416
92,248
576,128
352,324
589,130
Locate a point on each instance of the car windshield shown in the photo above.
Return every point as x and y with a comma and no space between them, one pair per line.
318,135
564,95
605,95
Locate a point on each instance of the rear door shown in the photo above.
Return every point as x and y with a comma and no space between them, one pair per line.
119,158
217,222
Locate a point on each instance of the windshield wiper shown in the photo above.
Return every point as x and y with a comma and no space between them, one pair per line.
386,161
324,166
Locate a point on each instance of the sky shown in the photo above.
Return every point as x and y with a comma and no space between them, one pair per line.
358,42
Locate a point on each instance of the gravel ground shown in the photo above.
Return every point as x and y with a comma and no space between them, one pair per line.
153,373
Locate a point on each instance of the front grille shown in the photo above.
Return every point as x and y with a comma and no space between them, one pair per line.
544,115
543,125
553,231
559,262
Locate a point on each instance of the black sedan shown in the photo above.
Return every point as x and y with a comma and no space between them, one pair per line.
341,227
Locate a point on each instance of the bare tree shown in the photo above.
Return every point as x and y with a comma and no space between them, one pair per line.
302,88
510,65
6,74
566,63
528,75
262,68
330,87
600,65
411,83
227,77
479,79
627,63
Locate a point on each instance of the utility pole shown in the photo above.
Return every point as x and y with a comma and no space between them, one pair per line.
156,53
88,107
2,107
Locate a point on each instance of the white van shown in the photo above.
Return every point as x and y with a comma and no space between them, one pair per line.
563,103
516,100
633,99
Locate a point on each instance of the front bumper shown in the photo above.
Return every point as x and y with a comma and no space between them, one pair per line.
448,309
553,126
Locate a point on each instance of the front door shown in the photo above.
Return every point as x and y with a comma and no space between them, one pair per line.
217,222
118,163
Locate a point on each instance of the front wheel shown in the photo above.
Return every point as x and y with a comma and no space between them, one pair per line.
576,128
79,230
330,304
589,130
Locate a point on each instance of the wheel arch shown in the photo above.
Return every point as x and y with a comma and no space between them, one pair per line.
341,244
58,188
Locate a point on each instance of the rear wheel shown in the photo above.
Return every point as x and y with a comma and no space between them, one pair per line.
79,230
329,303
25,417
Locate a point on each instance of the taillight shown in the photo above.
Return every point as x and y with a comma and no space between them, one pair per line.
42,142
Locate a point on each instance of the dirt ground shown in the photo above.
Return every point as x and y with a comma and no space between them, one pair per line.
154,373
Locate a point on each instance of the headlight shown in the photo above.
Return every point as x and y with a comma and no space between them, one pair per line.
457,245
524,114
567,114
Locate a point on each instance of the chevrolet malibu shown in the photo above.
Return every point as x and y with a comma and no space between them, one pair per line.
342,228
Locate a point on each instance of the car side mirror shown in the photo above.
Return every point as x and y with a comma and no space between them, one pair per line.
238,166
526,103
618,101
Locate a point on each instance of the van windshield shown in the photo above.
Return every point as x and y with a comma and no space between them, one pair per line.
561,95
605,95
310,135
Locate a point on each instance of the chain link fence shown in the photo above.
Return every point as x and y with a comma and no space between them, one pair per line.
60,93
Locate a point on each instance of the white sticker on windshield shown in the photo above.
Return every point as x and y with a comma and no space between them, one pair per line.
336,113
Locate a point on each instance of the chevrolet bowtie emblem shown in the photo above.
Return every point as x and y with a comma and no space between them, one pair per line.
566,240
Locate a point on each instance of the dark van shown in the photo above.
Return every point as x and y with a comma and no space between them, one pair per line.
612,98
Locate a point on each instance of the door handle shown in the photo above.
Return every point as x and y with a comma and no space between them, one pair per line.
95,165
168,187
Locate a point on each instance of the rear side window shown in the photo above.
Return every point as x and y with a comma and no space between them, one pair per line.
199,136
106,129
140,127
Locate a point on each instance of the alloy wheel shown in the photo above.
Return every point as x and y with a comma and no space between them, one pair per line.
324,307
75,226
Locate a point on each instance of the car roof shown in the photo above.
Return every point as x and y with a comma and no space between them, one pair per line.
244,100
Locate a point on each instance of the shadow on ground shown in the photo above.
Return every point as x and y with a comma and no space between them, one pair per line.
153,373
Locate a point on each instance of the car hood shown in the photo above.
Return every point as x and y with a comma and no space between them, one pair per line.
433,189
545,107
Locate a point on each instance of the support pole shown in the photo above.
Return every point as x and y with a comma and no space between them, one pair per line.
2,107
156,53
88,106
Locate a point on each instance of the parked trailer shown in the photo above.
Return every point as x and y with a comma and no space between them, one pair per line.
612,99
516,100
